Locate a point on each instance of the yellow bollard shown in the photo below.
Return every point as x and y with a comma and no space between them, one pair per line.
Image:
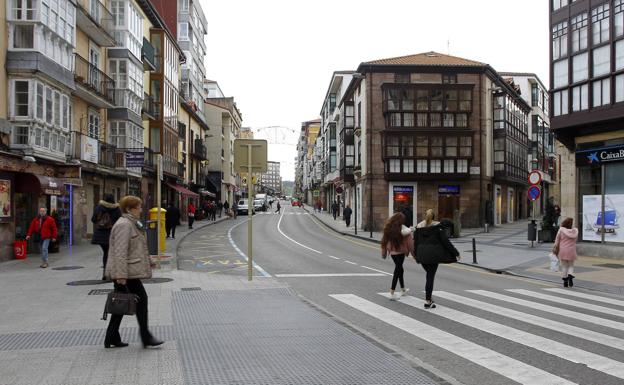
153,216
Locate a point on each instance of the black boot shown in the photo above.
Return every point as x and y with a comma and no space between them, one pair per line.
565,282
570,282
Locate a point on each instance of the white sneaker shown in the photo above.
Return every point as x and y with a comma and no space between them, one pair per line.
404,292
394,297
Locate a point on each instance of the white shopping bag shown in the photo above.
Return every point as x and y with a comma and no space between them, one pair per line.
554,262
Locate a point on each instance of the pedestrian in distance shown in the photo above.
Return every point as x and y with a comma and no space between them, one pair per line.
104,216
432,247
346,213
335,207
226,207
45,226
565,250
213,211
219,208
279,207
235,209
128,264
190,211
172,220
397,242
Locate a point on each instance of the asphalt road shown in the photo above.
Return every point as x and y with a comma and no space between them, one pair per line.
480,333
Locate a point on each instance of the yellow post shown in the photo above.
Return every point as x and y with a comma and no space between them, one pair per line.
153,216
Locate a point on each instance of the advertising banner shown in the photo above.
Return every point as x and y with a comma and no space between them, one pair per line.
5,199
593,218
89,149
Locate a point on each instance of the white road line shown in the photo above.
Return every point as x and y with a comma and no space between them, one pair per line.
353,263
292,240
567,352
596,298
564,328
331,256
255,265
329,275
490,359
380,271
552,309
569,302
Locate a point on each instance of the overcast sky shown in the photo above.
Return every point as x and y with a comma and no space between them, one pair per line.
276,57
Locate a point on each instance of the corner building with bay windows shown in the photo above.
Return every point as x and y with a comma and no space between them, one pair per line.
433,131
587,116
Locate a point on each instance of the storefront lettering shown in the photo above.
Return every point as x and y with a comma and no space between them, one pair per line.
605,155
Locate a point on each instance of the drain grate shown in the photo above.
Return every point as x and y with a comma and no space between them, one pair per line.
190,288
68,268
87,282
100,291
156,280
611,265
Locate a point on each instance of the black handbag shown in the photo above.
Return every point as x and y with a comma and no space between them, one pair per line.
118,303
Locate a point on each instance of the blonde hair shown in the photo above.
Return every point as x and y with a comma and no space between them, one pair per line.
129,202
429,217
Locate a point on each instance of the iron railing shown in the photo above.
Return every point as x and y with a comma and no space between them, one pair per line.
149,107
91,77
98,13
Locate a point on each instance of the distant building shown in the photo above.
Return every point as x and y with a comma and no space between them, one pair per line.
271,181
246,133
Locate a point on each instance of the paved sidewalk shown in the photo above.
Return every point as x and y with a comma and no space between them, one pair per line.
505,249
218,328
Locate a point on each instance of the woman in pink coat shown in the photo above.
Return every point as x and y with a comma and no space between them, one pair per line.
565,250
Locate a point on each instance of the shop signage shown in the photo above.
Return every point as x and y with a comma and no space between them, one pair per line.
448,189
135,158
89,149
403,189
5,199
475,170
600,155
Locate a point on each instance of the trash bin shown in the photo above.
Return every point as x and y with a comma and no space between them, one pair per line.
532,231
153,216
152,237
19,249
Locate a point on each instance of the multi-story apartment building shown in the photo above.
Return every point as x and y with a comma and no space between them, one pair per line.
587,112
440,132
224,119
271,181
542,149
336,140
304,184
246,133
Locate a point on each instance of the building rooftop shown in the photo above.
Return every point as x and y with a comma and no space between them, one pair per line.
427,58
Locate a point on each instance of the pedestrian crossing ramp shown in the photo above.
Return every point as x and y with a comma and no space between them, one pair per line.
584,330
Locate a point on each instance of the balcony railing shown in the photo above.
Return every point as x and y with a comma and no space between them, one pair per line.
94,151
181,169
96,20
89,76
150,159
147,52
149,109
199,149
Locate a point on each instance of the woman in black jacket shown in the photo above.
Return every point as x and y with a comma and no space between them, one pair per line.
432,247
104,217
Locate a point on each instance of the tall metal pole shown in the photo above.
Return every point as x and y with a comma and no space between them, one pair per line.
249,215
158,200
355,218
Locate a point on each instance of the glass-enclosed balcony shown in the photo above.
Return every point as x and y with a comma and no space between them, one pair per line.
96,21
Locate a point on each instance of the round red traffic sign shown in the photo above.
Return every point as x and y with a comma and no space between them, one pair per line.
534,193
535,177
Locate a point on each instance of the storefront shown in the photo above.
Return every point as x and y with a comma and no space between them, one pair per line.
401,195
600,204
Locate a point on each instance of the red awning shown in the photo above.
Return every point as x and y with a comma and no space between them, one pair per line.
183,190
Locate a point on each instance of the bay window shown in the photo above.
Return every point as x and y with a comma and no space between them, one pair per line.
560,103
602,60
601,92
580,98
21,135
23,36
560,40
619,55
21,100
93,129
600,24
579,32
580,67
39,101
24,9
618,19
560,72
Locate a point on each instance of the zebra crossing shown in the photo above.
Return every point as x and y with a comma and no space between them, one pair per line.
548,312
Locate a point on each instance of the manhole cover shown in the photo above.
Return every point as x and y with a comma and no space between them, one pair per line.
611,265
87,282
156,280
100,291
67,268
191,288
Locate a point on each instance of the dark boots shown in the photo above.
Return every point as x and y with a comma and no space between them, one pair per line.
565,281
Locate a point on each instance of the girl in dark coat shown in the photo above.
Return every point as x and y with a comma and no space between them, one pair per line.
105,215
432,247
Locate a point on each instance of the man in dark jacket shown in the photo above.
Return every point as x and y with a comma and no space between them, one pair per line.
335,207
346,213
219,207
104,217
172,220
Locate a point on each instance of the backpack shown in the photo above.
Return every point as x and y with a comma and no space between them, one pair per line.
104,221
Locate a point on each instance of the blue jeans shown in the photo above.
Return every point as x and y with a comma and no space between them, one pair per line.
44,249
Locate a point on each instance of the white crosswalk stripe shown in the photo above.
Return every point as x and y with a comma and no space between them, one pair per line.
596,298
546,323
508,326
490,359
552,309
565,301
546,345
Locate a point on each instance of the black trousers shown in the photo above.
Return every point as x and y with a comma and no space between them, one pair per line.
398,271
104,257
335,213
348,221
431,272
134,286
190,222
171,229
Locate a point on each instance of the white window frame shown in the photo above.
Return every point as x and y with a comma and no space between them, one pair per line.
14,106
94,121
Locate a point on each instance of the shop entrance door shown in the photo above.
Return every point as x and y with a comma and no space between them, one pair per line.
447,204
